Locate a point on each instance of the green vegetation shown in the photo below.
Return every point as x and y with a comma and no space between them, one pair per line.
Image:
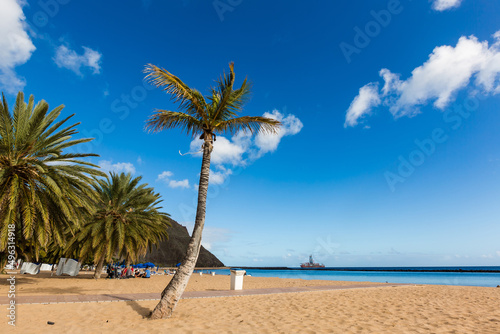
43,190
60,207
53,198
197,116
126,222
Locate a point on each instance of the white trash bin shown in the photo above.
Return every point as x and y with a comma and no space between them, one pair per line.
237,279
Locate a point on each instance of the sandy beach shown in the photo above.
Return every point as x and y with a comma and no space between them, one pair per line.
402,309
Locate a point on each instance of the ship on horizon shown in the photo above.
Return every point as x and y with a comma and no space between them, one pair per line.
311,264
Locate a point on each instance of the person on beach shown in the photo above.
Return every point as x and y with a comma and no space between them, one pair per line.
130,272
147,273
109,272
124,273
112,272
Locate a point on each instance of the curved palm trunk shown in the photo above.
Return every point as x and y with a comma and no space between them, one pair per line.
98,269
173,292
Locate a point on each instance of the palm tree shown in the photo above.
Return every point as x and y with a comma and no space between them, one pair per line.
206,118
126,223
44,190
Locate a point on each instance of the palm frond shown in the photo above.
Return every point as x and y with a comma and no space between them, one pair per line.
253,124
163,119
44,191
221,94
125,223
219,115
190,100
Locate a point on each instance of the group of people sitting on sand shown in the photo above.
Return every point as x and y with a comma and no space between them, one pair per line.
127,272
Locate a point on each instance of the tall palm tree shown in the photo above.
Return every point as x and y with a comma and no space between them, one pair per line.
126,223
197,116
44,190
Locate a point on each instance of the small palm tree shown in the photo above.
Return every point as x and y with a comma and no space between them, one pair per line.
127,222
205,118
44,190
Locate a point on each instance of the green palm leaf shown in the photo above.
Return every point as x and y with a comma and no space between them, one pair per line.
196,116
125,223
43,189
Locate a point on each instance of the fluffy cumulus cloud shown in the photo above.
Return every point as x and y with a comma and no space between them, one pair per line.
119,167
442,5
267,142
16,46
178,184
225,151
166,178
244,148
71,60
470,64
219,176
367,98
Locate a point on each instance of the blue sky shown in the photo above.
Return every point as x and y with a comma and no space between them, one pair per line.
389,154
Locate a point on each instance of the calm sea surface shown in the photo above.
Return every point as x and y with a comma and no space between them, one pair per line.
441,278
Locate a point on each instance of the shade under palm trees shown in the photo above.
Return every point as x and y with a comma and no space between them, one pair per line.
127,222
204,117
44,190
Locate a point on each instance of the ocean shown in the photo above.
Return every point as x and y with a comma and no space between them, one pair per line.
466,276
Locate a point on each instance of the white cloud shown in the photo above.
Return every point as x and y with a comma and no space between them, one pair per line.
471,63
233,151
367,98
244,148
391,81
165,177
448,70
119,167
243,139
224,151
267,142
220,176
71,60
498,253
178,184
442,5
16,46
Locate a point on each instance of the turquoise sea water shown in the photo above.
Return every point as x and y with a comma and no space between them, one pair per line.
486,279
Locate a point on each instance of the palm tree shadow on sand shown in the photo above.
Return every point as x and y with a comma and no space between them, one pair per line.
143,311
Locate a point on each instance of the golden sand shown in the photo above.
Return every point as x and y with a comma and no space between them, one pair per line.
84,284
403,309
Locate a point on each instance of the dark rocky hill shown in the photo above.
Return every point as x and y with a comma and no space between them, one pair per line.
170,252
